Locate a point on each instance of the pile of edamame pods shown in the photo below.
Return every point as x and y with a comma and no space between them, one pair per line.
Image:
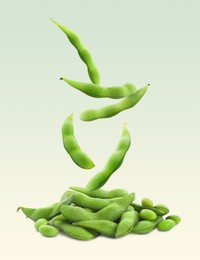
87,212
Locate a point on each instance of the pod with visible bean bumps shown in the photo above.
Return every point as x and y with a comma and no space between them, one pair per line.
98,91
162,207
65,226
114,109
147,214
100,193
146,226
105,227
40,222
48,231
147,202
166,225
72,147
113,163
139,207
84,54
175,218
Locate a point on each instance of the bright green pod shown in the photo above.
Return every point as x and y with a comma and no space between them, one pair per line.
114,109
147,214
84,54
83,200
48,231
72,147
104,227
147,202
101,193
73,231
46,212
113,163
166,225
98,91
40,222
111,212
162,207
175,218
146,226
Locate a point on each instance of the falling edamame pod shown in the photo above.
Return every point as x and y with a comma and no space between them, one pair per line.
113,163
72,147
97,91
114,109
82,51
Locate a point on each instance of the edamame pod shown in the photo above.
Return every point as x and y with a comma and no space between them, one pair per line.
113,163
72,147
84,54
175,218
146,226
100,193
139,207
105,227
98,91
114,109
73,231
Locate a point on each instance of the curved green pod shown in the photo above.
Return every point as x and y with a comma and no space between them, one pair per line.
146,226
71,145
104,227
113,163
114,109
98,91
100,193
84,54
65,226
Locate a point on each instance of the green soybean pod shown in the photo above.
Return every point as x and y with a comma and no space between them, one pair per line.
48,231
72,147
166,225
101,193
162,207
146,226
126,223
84,54
175,218
113,163
139,207
105,227
114,109
146,202
147,214
98,91
40,222
73,231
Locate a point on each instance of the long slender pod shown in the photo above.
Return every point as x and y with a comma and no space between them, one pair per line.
82,51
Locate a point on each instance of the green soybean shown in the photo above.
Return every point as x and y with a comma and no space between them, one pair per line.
40,222
65,226
147,202
162,207
166,225
98,91
48,231
72,147
175,218
101,193
113,163
147,214
105,227
85,201
111,212
139,207
126,223
84,54
146,226
114,109
46,212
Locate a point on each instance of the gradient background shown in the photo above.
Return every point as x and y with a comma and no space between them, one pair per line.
142,42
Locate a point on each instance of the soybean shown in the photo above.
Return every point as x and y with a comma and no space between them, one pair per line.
147,214
114,109
84,54
40,222
72,147
175,218
98,91
105,227
113,163
139,207
146,226
48,231
166,225
147,202
162,207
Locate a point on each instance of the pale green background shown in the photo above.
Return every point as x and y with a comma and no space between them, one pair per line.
142,42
